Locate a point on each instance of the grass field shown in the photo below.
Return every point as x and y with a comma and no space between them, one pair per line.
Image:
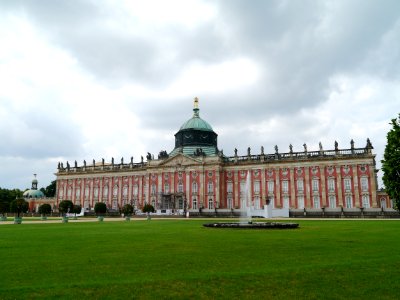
181,259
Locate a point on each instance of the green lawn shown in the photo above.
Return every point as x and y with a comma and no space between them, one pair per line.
181,259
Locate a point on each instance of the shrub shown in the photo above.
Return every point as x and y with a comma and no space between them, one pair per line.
76,209
127,210
100,208
65,206
45,209
19,206
148,208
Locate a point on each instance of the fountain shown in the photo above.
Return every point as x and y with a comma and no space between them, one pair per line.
245,221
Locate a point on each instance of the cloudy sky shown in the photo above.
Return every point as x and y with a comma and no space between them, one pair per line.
88,79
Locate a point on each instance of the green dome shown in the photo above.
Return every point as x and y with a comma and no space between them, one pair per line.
196,123
33,194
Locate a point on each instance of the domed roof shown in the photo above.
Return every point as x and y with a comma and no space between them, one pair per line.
33,194
196,122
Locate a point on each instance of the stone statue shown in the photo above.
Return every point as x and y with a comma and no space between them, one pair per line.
276,149
248,151
369,145
76,164
290,148
84,163
102,161
305,147
262,150
320,147
235,152
148,156
142,158
58,165
122,160
68,166
352,144
94,162
131,159
336,146
62,165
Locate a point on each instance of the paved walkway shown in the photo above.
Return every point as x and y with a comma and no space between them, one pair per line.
84,220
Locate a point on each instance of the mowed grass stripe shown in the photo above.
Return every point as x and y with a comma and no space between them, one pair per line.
147,259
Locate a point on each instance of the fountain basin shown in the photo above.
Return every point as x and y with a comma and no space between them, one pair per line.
253,225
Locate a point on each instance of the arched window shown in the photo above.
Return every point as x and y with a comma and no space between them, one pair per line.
194,187
210,187
210,203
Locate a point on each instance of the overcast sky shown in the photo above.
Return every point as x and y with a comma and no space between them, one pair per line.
99,79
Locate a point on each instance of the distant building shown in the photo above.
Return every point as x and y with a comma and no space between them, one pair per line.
35,197
196,175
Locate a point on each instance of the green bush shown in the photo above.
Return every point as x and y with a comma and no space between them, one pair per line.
65,206
45,209
19,206
76,209
100,208
127,210
148,208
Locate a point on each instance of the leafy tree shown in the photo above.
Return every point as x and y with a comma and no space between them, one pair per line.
127,210
4,207
76,209
65,206
148,208
19,206
50,190
9,195
45,209
391,163
100,208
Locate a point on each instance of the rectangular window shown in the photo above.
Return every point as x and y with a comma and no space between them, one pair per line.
315,185
332,201
194,187
271,201
316,201
285,186
229,187
331,185
153,189
230,203
349,201
210,187
286,203
210,203
242,187
365,201
364,184
257,202
166,188
347,184
300,185
300,202
256,187
135,190
180,187
270,186
194,203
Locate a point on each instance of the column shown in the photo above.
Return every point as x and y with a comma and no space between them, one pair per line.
278,189
263,188
373,185
356,187
292,189
339,186
307,186
323,186
236,195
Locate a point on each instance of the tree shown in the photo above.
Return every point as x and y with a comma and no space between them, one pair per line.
65,206
148,208
50,190
76,209
100,208
4,207
127,210
391,163
19,206
45,209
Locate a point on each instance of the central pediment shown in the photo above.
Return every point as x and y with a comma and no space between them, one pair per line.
181,160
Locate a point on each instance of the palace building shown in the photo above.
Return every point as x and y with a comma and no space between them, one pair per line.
196,175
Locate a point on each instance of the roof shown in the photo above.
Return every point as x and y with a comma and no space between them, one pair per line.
33,194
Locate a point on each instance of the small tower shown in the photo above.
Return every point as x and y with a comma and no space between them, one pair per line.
34,182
